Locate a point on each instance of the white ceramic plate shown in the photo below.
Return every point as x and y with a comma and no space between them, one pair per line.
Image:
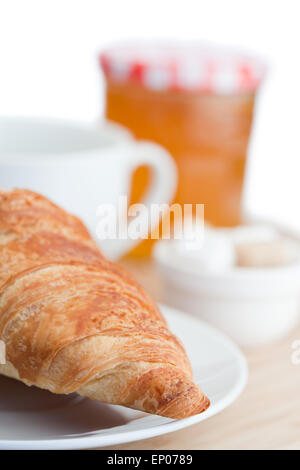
35,419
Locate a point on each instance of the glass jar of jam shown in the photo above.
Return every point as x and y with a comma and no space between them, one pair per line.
198,103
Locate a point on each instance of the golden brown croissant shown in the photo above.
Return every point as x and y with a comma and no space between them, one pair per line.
74,322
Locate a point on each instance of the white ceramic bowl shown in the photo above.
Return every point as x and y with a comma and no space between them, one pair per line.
253,306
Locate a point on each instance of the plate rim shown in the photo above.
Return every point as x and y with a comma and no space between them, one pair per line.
90,441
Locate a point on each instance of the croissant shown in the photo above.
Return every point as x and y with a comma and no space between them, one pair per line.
72,321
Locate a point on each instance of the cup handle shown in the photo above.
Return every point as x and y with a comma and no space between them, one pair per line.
161,191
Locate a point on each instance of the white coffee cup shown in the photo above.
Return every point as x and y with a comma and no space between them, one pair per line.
81,166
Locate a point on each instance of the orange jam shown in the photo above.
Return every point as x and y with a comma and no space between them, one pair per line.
205,130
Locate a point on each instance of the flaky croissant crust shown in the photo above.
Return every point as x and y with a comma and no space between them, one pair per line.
74,322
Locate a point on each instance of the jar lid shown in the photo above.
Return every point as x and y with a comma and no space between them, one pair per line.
183,66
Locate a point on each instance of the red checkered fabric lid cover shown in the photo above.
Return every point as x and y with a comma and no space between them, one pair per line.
183,66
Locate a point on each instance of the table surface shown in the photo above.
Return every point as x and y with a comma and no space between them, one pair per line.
265,416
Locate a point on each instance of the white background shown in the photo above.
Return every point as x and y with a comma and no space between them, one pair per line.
48,67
